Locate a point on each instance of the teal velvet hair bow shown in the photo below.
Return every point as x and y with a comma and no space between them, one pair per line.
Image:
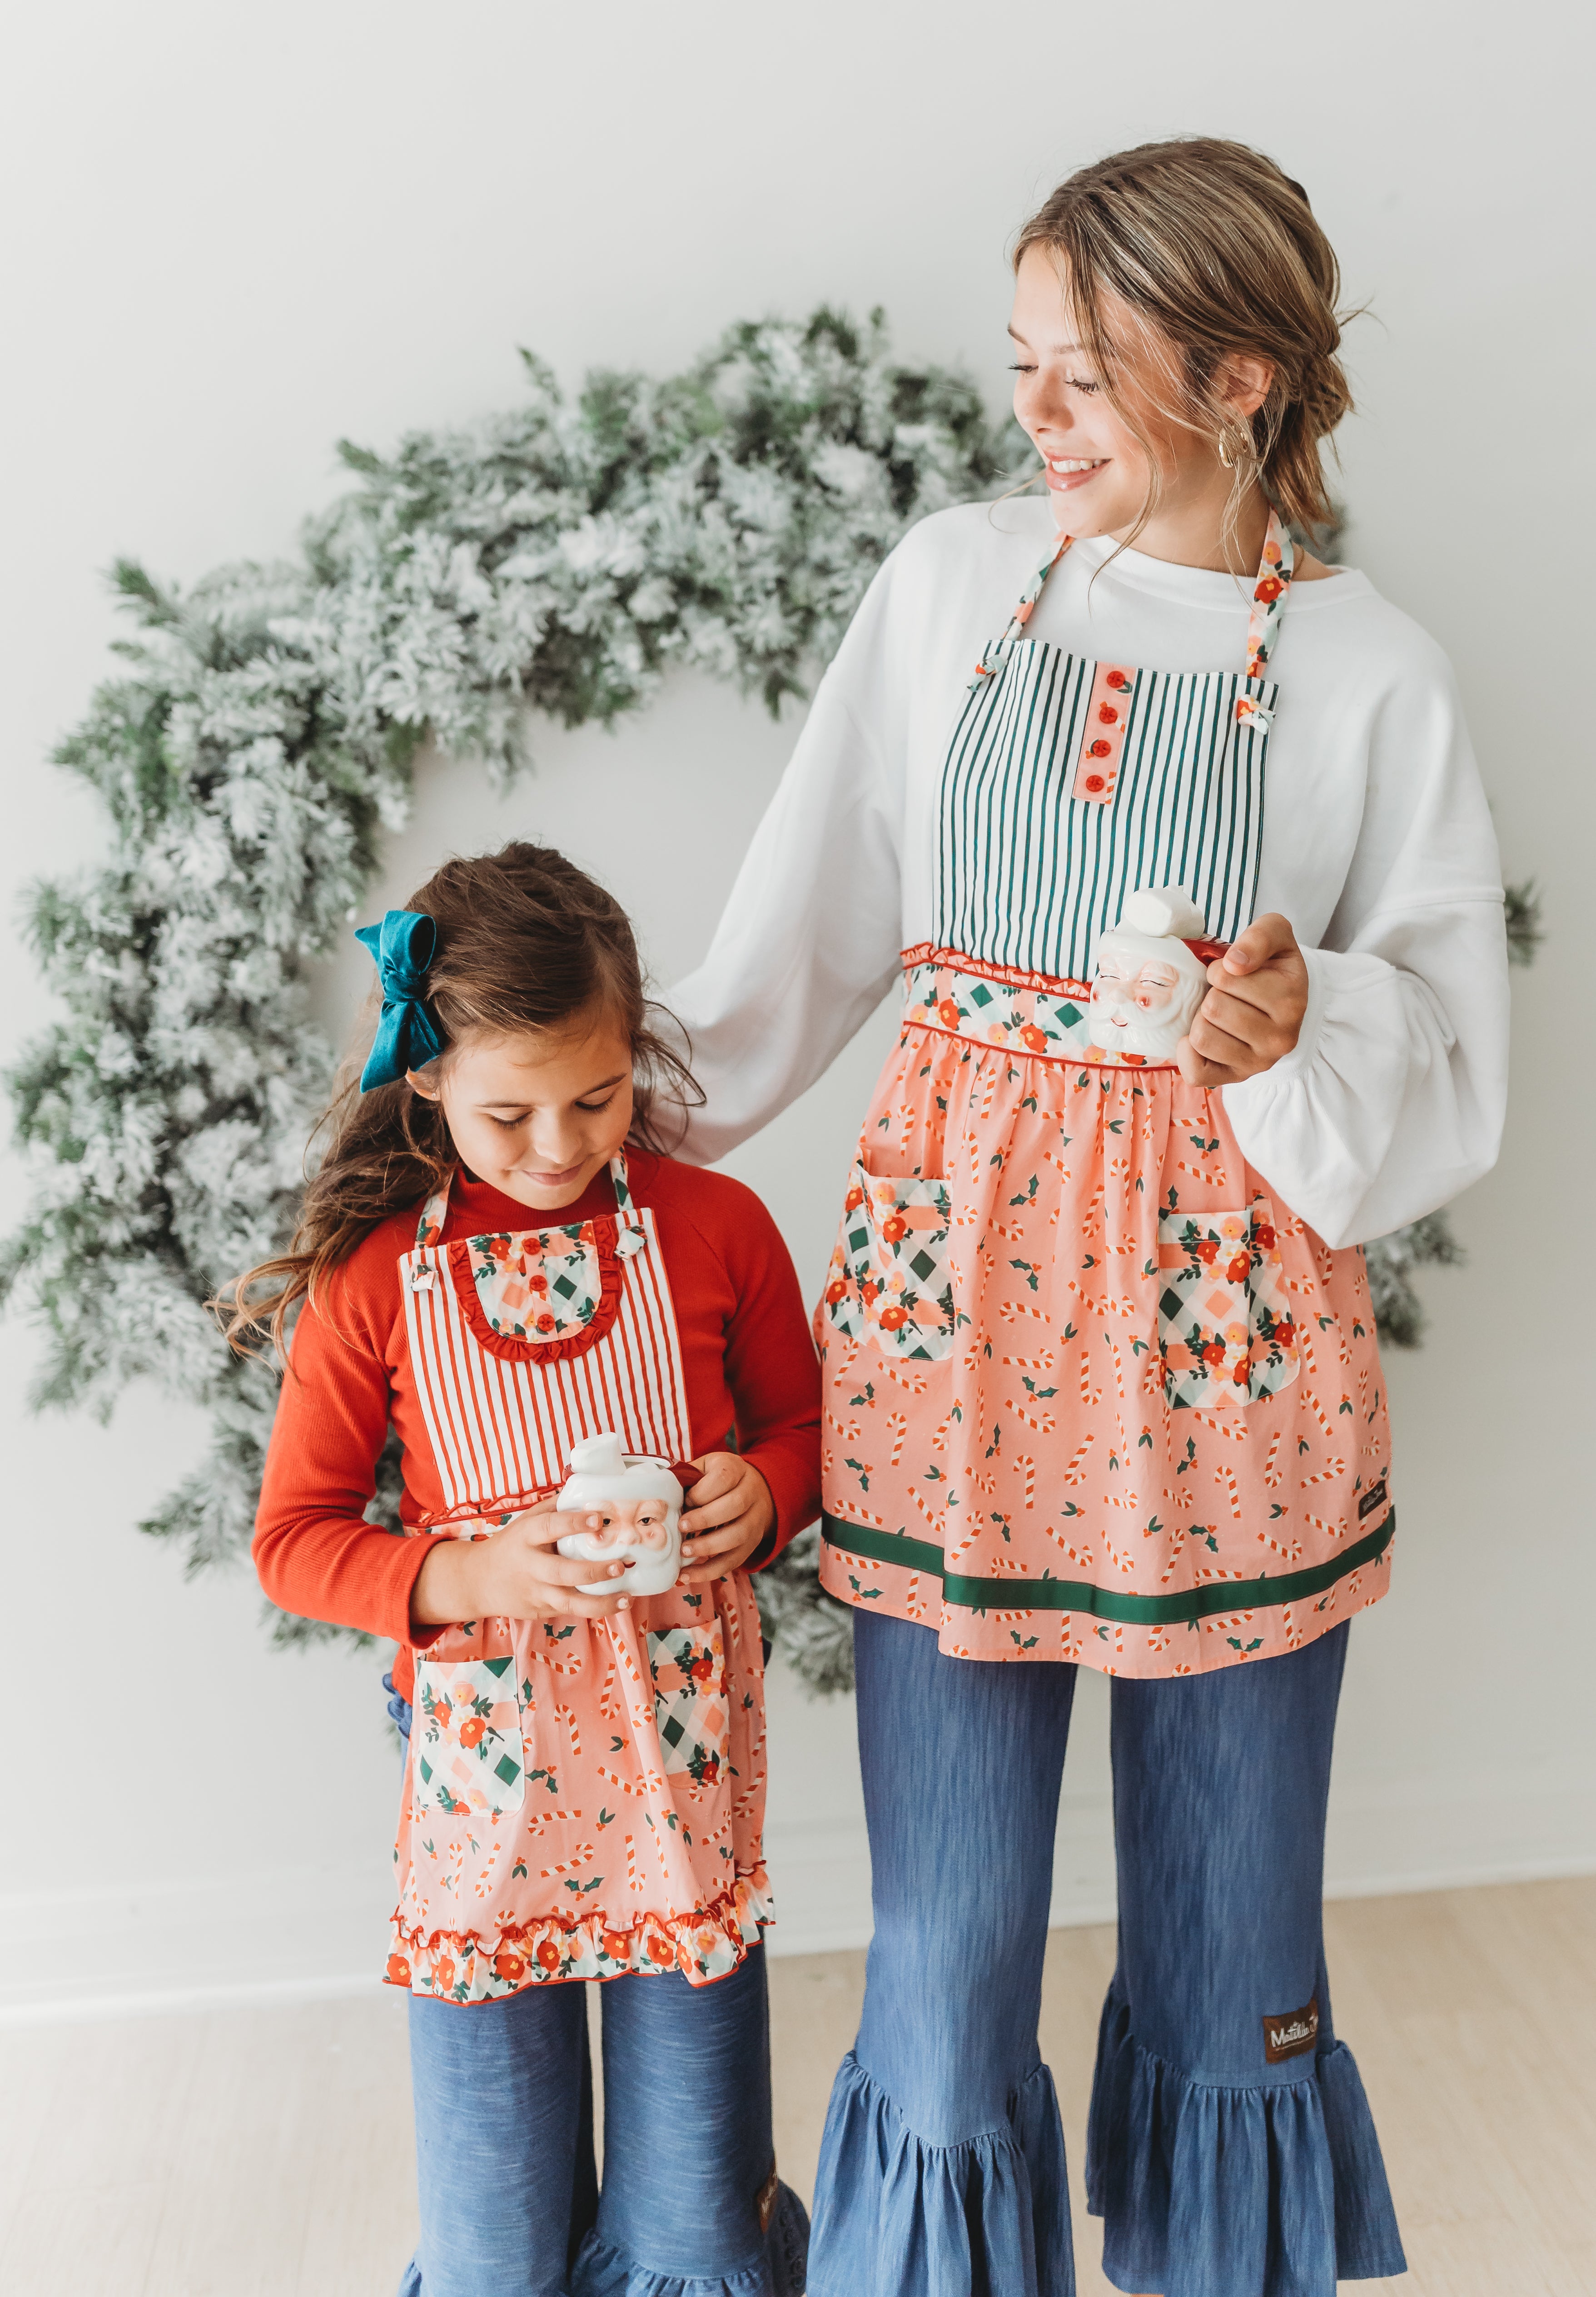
408,1034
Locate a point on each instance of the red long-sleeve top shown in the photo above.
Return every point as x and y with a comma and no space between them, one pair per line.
753,1385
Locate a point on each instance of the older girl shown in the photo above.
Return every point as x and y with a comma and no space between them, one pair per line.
494,1259
1101,1380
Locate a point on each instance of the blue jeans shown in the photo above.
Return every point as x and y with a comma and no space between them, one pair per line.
510,2202
1217,2172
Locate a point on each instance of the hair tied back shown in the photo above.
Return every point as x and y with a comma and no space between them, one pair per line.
409,1036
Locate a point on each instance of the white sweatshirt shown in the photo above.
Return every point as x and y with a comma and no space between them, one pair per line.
1377,846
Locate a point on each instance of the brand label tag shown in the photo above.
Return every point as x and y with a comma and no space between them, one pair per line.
1375,1496
1291,2033
764,2201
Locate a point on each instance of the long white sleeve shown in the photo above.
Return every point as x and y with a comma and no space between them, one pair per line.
1393,1098
1378,845
809,943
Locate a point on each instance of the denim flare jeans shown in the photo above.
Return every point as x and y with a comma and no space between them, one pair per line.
1225,2158
510,2200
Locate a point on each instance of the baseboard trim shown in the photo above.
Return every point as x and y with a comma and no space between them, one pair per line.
179,2001
821,1875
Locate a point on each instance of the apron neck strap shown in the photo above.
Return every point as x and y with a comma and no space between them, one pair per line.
1033,589
429,1228
1275,570
1273,581
632,1236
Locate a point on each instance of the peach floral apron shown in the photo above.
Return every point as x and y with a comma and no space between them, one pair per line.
583,1797
1092,1393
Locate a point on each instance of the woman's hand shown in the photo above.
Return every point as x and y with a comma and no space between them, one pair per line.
1252,1014
516,1574
729,1511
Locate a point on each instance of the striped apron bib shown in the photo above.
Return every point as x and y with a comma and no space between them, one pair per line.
1092,1393
583,1797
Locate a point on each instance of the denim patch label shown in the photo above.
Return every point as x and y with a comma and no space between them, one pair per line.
1292,2032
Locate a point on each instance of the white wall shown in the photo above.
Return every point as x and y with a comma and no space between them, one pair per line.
233,235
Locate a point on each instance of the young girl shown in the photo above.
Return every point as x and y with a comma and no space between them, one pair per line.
1101,1380
494,1259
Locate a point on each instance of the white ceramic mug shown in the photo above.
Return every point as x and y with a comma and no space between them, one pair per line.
1148,983
639,1500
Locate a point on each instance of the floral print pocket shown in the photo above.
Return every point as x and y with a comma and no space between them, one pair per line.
690,1713
551,1290
465,1740
1225,1328
888,1277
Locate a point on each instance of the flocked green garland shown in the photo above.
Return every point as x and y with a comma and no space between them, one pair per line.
563,556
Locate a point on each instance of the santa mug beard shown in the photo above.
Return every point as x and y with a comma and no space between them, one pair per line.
1149,1029
1145,993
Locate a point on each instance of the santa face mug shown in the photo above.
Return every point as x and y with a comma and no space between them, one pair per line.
1148,983
638,1502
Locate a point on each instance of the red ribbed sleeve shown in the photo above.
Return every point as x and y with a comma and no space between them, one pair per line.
752,1383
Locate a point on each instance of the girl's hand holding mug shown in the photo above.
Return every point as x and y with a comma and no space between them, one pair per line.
1252,1014
729,1511
516,1574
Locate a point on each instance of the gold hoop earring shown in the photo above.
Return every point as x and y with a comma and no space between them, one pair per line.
1225,456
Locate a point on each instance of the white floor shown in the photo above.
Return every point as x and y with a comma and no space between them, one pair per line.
266,2152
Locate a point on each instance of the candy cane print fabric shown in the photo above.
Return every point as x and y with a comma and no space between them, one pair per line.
583,1797
1125,1408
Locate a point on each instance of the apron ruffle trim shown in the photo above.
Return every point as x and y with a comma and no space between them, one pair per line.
990,2213
1278,2189
705,1945
779,2271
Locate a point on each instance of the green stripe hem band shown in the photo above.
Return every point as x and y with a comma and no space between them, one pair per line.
1048,1594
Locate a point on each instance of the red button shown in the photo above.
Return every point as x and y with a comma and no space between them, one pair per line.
1118,680
1094,782
1108,714
1100,749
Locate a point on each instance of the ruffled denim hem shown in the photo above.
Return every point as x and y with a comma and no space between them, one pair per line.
989,2217
1277,2191
600,2271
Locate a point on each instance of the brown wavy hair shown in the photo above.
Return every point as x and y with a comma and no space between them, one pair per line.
1216,251
526,942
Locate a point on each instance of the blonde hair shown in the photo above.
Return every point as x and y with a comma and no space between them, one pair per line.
1217,253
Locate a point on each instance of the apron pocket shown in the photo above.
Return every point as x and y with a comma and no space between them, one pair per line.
690,1709
1225,1329
888,1273
466,1749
